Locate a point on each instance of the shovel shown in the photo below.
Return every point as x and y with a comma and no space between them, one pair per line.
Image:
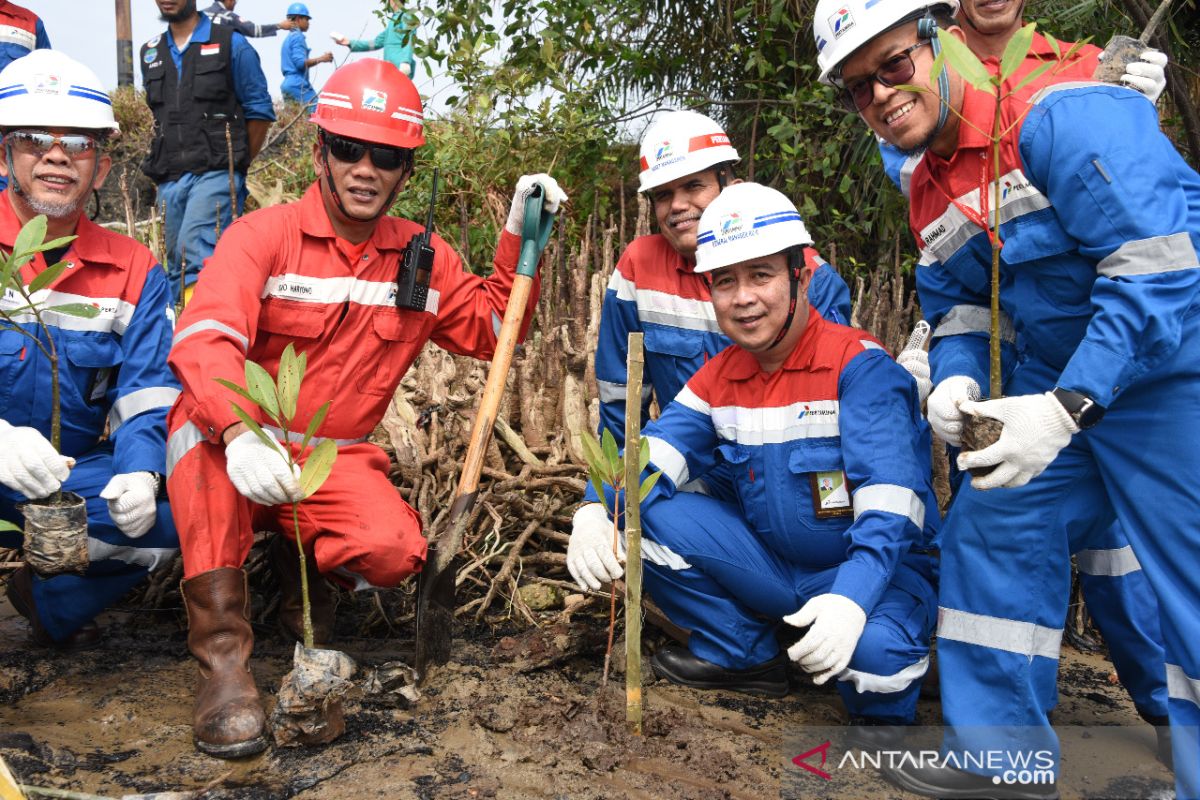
437,581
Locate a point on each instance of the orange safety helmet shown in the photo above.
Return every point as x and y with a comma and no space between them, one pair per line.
373,101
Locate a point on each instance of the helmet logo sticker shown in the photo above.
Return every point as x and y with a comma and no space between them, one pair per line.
374,100
841,21
663,151
45,83
731,223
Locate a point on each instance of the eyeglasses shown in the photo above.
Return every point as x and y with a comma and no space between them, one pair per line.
898,69
351,151
38,143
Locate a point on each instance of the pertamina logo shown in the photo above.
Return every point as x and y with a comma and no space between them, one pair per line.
809,411
663,151
45,83
841,21
731,223
374,100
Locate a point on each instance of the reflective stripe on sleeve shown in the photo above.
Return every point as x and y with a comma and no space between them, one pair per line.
211,325
892,499
142,400
973,319
669,460
1150,256
180,442
1023,638
1110,563
149,557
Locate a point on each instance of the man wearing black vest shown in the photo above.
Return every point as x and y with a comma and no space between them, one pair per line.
209,97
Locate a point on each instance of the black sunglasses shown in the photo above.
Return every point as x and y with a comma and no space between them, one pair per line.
857,95
38,143
351,151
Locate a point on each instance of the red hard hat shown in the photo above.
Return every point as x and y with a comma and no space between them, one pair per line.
372,101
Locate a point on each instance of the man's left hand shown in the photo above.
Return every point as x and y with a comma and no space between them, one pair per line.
1148,74
1036,428
131,502
552,197
837,624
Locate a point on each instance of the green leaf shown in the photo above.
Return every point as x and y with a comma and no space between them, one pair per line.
289,383
643,454
262,388
233,387
1041,70
315,423
597,484
47,277
1016,51
591,450
648,484
31,235
935,70
5,525
253,425
964,62
55,244
1054,46
612,455
317,467
82,310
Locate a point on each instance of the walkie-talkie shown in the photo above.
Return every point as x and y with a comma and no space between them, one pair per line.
416,267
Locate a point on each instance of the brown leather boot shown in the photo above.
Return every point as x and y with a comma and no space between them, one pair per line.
229,721
286,562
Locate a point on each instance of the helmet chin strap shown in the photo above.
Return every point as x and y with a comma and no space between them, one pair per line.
927,29
795,263
337,198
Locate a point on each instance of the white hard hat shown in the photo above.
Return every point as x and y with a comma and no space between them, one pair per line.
747,220
842,26
49,89
682,143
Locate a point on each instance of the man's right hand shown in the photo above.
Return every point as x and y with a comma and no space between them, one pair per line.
260,471
590,557
945,416
29,464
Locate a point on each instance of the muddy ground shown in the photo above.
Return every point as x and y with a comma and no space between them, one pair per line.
517,715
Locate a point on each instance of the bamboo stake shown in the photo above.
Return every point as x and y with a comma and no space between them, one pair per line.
633,536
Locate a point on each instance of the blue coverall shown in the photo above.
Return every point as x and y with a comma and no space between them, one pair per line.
292,59
113,370
729,570
1099,275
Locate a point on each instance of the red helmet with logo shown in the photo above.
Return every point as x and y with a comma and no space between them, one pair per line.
372,101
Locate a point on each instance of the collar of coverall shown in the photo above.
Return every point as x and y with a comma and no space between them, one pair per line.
314,221
806,355
91,246
976,106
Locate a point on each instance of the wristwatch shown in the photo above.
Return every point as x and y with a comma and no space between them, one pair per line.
1084,410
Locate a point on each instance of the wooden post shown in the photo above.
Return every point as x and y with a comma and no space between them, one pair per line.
633,536
124,47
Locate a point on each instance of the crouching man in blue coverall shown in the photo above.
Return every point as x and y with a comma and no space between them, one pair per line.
824,441
55,119
1099,274
686,160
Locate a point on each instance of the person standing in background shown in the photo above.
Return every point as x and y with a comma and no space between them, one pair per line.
396,39
294,58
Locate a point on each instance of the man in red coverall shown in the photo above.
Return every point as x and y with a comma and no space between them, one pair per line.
319,273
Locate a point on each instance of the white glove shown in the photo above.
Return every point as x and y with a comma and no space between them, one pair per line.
552,196
945,416
917,364
590,557
837,623
131,502
1036,427
29,464
1148,74
344,41
260,471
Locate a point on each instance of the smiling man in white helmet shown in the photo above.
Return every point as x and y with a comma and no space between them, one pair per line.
832,507
1099,275
115,387
686,160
